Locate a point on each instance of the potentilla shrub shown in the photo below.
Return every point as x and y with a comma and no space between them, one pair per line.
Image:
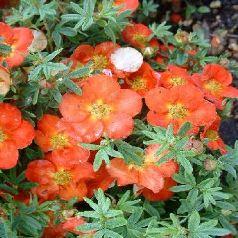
109,127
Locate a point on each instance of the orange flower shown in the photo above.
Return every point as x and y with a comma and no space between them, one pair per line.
55,135
103,109
15,133
163,195
131,5
100,56
148,175
101,180
177,106
175,76
57,177
215,82
211,132
19,39
138,35
60,230
143,80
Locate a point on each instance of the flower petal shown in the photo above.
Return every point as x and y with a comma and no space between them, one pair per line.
119,125
73,108
40,171
151,178
127,101
8,155
119,170
23,135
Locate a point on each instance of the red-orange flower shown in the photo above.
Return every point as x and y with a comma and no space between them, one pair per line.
99,56
131,5
103,109
60,230
175,18
148,175
15,133
55,135
138,35
164,194
143,80
215,82
177,106
175,76
102,179
19,39
215,141
56,176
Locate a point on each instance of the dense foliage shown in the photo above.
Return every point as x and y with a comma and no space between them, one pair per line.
109,125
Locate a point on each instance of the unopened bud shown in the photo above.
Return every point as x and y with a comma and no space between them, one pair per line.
68,213
148,51
182,36
210,164
195,145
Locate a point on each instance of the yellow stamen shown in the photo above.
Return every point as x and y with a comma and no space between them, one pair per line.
138,84
100,110
100,62
59,140
62,177
213,86
177,81
3,136
177,111
140,38
212,135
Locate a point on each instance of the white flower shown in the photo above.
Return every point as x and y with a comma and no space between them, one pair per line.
127,59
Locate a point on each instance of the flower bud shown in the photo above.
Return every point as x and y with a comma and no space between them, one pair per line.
195,145
182,37
210,164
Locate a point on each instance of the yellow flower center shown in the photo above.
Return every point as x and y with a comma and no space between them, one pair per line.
100,62
136,167
138,84
212,135
3,136
140,38
177,81
177,111
62,177
213,86
59,140
100,110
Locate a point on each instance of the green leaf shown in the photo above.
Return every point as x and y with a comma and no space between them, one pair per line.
194,221
99,157
184,129
161,31
72,86
203,9
6,230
